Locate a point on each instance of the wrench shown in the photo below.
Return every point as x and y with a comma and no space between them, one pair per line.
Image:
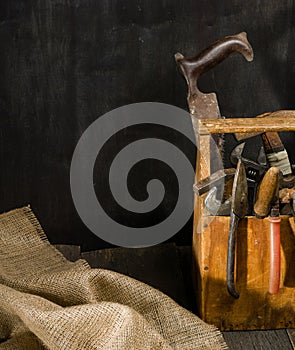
254,170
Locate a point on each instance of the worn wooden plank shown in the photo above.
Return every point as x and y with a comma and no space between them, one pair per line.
71,252
245,125
256,308
158,266
258,340
239,340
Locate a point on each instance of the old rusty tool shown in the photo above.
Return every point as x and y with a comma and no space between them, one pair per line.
239,209
206,105
254,170
213,205
216,206
286,196
268,202
275,150
287,181
276,153
213,180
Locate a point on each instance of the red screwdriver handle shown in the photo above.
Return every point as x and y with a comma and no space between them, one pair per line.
275,255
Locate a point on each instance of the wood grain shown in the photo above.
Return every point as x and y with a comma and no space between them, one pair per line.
258,340
255,309
245,125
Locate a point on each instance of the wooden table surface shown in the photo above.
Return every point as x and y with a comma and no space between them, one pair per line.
167,267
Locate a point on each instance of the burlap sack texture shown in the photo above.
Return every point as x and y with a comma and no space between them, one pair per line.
47,302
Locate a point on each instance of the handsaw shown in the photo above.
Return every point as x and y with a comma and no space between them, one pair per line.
203,105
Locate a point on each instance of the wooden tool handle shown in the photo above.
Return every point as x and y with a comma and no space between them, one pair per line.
276,153
266,192
275,255
192,68
272,142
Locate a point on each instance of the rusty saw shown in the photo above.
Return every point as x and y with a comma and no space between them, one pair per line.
203,105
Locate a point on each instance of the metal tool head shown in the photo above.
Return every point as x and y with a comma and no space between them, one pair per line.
261,159
215,179
240,191
215,206
254,170
236,153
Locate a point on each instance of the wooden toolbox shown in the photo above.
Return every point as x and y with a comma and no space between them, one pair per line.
255,308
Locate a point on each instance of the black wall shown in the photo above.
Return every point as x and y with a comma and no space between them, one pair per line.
64,63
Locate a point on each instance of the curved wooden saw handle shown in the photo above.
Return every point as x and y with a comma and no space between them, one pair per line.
192,68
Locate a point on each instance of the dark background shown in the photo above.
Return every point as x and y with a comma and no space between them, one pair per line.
64,63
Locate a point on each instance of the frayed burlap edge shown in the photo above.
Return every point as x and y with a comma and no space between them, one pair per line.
68,305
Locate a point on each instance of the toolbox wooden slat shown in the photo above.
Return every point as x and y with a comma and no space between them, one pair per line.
245,125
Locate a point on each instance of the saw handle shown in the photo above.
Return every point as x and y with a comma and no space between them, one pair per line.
192,68
275,255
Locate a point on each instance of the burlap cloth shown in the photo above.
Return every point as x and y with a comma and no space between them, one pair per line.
48,302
